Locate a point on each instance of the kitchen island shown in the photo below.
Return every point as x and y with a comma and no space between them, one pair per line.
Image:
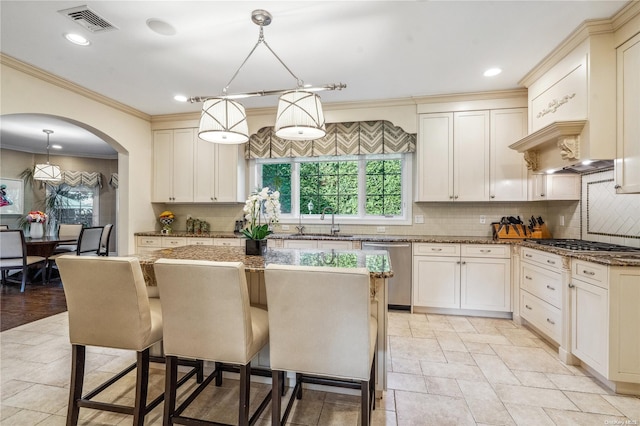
376,261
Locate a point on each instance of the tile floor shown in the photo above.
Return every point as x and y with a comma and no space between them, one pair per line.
442,370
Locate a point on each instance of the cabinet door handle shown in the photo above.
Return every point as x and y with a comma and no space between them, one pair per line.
528,277
571,285
528,255
584,271
493,196
551,262
550,322
458,262
464,263
485,251
436,249
551,288
451,197
456,197
542,195
528,307
618,186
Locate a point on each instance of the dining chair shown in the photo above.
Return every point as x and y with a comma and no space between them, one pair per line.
320,326
13,255
207,315
2,227
109,308
88,245
68,231
104,240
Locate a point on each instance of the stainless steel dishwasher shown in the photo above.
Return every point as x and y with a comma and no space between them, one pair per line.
400,283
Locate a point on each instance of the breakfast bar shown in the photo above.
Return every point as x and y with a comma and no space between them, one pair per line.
376,261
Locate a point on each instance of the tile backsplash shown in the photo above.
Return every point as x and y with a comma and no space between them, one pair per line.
607,216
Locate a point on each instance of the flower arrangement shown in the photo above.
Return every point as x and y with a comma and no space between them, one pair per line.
166,219
36,216
253,209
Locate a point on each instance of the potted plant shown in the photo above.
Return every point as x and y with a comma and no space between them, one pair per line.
36,220
264,203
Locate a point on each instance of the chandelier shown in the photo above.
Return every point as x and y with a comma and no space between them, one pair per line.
299,116
47,172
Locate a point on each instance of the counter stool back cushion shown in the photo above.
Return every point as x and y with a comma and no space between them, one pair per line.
207,316
13,255
320,324
108,307
104,240
89,240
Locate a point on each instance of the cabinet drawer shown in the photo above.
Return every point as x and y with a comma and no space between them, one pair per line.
485,250
543,316
149,241
542,283
590,272
200,241
433,249
228,242
174,241
547,260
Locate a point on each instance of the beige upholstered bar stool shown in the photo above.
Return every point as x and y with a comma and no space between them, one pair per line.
109,307
207,316
320,326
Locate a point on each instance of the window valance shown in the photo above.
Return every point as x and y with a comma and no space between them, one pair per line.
350,138
73,178
113,182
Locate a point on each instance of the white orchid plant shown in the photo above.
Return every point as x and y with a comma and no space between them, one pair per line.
265,203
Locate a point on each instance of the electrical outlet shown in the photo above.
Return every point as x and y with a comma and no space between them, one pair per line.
285,227
561,220
418,218
483,219
381,229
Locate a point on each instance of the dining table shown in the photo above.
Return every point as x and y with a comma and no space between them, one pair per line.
45,246
377,263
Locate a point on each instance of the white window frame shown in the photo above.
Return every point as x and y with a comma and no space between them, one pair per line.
255,180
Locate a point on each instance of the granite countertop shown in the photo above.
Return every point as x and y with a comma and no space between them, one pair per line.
376,261
213,234
603,258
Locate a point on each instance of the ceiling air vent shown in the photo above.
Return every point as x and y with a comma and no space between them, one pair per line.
88,19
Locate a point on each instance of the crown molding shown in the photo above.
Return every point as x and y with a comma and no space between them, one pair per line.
627,13
471,96
68,85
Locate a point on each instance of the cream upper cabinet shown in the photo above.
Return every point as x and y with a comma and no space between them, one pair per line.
508,170
453,156
435,158
554,187
628,132
465,156
218,173
173,165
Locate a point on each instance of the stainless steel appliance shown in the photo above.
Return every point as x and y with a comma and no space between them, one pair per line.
584,245
400,283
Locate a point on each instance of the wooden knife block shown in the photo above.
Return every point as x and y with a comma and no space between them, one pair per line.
501,234
541,231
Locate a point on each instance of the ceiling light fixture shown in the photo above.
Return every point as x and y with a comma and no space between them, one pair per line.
77,39
46,172
491,72
299,116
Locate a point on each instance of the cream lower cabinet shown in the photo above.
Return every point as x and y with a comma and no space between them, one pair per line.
541,291
462,276
605,320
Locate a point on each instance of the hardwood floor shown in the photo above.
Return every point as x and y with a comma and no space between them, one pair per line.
35,303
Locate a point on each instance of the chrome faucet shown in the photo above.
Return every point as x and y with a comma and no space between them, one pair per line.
300,226
334,228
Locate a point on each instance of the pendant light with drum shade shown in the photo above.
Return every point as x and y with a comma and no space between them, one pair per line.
47,172
299,117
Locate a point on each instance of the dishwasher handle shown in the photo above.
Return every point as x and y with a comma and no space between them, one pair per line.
386,245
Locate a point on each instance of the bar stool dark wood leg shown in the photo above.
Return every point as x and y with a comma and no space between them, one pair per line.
77,379
277,384
170,390
243,409
142,386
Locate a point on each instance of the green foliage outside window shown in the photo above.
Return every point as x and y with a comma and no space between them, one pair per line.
335,184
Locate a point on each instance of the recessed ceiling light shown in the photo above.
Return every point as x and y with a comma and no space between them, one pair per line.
56,146
160,27
492,72
180,98
77,39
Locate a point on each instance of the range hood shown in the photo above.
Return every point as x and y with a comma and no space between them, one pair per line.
572,104
560,146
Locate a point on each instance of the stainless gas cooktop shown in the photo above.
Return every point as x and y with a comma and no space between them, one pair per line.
584,245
